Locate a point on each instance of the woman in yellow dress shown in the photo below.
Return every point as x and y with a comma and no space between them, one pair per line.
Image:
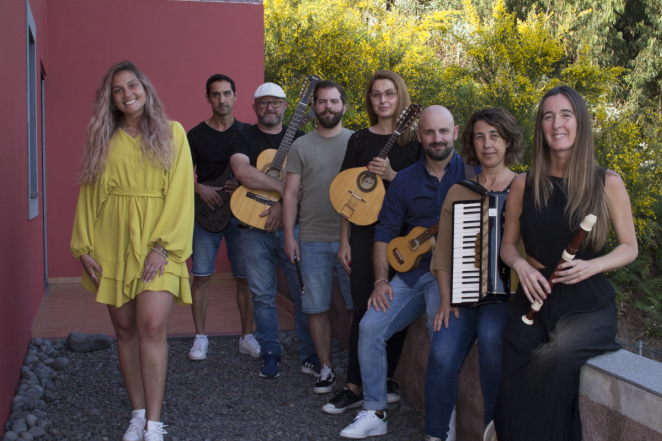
133,230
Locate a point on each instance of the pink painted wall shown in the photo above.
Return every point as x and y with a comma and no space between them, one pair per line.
21,262
177,44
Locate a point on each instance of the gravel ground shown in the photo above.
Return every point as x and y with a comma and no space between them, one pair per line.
220,398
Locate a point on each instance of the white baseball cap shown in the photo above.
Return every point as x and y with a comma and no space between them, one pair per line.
269,89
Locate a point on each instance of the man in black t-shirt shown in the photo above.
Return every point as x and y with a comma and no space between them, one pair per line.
210,150
264,249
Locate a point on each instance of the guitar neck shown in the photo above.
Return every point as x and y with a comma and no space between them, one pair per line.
284,148
427,234
387,148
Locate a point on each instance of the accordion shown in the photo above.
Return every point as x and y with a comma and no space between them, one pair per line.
478,274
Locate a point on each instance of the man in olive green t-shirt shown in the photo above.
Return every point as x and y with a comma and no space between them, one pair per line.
312,164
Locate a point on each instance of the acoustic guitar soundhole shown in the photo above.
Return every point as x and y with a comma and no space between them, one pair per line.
366,181
271,172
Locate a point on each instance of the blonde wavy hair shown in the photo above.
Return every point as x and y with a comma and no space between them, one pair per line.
583,183
157,143
403,102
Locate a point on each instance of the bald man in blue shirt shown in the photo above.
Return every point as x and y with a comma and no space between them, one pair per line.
414,199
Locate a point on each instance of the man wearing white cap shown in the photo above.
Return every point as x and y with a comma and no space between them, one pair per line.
264,249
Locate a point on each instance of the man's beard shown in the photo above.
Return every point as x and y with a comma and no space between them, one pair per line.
271,123
438,155
326,122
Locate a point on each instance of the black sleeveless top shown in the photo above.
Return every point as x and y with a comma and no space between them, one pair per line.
546,234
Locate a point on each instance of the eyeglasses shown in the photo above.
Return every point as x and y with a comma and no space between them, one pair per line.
275,104
376,96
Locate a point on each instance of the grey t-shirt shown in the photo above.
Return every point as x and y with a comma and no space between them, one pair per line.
317,160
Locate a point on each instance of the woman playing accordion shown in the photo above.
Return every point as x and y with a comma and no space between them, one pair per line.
492,139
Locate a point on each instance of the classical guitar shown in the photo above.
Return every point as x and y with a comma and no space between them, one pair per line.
357,194
405,253
247,204
216,220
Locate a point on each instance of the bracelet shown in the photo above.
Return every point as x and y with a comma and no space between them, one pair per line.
380,280
162,252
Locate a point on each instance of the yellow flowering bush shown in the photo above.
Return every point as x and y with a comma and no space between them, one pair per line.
466,60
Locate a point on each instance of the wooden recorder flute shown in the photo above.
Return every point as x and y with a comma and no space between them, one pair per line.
569,254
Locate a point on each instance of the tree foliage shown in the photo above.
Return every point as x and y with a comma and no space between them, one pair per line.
472,54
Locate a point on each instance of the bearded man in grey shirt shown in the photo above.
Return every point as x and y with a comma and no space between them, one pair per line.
312,164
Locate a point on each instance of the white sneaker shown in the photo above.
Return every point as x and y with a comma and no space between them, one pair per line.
135,430
490,432
199,349
249,346
451,428
366,424
154,431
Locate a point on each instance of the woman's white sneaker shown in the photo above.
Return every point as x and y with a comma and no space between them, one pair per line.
154,431
136,426
367,423
248,345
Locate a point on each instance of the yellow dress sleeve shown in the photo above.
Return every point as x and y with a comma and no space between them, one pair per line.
90,199
174,230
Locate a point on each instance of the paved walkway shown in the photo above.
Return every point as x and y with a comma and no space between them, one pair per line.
72,308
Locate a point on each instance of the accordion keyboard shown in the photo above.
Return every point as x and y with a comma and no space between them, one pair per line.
466,276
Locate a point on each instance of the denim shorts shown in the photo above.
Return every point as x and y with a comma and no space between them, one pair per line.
318,262
206,245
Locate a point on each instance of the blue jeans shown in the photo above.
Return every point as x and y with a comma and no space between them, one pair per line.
448,351
262,251
206,245
377,327
318,262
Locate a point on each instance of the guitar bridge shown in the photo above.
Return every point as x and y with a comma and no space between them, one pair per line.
260,199
347,212
398,257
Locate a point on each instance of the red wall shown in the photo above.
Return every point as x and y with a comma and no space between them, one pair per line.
21,261
177,44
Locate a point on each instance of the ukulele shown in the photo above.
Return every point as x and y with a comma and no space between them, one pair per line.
247,204
357,194
217,220
405,253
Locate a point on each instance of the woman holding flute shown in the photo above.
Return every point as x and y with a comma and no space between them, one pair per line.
538,396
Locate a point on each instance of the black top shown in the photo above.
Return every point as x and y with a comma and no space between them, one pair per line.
536,226
364,146
253,141
210,149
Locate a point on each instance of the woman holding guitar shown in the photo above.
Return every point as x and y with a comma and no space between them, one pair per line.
385,99
492,140
133,229
538,396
